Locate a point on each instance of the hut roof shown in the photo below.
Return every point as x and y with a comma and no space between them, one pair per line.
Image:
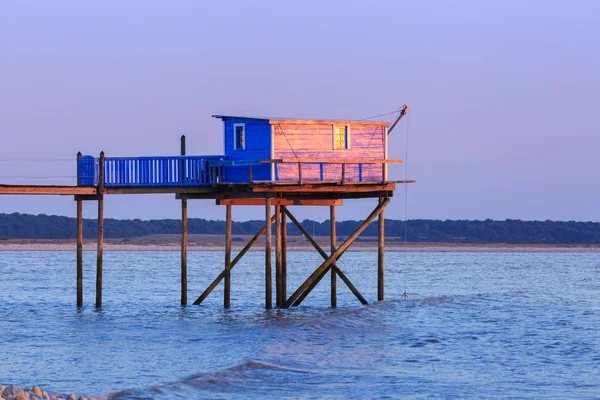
275,120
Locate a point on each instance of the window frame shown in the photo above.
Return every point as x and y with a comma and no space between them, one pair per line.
235,141
347,137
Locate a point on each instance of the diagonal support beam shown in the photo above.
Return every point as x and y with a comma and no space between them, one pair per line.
325,257
332,258
237,258
350,285
304,232
312,285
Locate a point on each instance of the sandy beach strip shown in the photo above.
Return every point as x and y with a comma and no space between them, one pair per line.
119,245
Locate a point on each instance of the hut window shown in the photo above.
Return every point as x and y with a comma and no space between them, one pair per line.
341,137
239,136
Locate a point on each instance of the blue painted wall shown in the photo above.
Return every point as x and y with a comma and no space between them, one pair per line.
258,147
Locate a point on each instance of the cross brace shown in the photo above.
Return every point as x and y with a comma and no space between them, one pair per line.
325,256
322,269
237,258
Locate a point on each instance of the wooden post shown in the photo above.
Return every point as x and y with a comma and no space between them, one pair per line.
380,255
268,283
100,231
299,173
278,299
79,243
79,252
343,173
283,257
250,174
333,238
227,291
184,238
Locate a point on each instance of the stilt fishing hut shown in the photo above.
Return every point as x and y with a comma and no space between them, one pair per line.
269,162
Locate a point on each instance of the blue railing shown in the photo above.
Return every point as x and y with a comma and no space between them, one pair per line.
151,171
210,170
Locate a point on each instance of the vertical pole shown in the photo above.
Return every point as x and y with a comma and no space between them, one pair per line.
333,249
268,283
283,258
79,242
278,299
184,223
227,291
100,231
79,252
380,255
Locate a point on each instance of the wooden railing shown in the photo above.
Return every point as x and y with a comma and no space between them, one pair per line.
202,170
332,161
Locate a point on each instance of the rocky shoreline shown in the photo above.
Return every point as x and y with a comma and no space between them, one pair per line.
35,393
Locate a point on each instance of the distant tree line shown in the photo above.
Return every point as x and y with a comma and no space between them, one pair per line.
26,226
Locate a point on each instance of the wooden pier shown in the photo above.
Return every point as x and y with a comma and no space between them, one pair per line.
272,183
272,197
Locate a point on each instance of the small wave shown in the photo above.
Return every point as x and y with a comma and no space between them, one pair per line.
259,366
425,342
234,379
434,300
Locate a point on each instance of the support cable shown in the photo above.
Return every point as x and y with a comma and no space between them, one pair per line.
286,139
19,159
374,132
405,294
38,177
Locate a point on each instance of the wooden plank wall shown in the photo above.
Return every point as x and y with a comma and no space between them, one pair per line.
367,141
258,147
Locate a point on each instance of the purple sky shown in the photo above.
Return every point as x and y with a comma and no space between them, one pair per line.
504,95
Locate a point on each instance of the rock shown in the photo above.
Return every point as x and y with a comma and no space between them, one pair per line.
2,387
22,396
36,390
11,391
72,397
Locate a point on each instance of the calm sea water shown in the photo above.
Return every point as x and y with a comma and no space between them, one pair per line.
519,325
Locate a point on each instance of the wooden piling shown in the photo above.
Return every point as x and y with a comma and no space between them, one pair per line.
100,231
79,242
268,283
333,237
278,300
227,291
283,257
380,254
184,232
79,252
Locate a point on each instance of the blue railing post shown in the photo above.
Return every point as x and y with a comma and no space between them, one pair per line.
360,179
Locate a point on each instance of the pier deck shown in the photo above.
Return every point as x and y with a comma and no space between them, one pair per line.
307,182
